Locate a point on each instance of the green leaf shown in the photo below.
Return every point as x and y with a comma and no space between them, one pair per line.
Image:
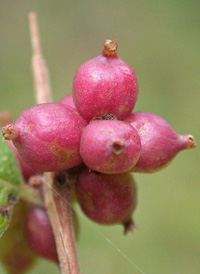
10,178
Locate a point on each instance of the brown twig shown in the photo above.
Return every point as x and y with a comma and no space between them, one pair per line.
40,71
56,200
64,229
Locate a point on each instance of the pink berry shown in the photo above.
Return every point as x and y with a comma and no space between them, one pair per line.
110,146
107,199
159,142
39,233
105,84
68,101
47,136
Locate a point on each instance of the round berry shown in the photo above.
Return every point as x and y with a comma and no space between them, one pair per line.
47,136
110,146
105,84
39,233
159,142
107,199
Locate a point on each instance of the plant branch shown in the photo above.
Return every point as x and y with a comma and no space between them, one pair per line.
62,216
40,71
56,200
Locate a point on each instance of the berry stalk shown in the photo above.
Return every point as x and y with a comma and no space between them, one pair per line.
56,201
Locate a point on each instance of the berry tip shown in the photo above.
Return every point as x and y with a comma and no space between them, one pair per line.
9,132
110,47
129,226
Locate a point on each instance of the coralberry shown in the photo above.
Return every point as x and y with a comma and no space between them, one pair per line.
159,142
39,234
47,136
105,84
107,199
110,146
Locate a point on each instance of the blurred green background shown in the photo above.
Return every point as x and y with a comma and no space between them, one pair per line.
161,41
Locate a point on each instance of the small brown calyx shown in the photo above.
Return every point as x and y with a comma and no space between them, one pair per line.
129,226
117,147
5,117
110,47
106,116
191,143
9,132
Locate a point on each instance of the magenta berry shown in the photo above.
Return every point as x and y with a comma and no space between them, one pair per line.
107,199
159,142
68,101
39,233
47,136
110,146
105,84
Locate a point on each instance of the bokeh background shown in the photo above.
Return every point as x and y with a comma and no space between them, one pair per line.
161,41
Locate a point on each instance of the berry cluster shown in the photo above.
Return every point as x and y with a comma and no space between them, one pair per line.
95,125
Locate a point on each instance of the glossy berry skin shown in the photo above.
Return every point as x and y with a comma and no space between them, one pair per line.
48,136
27,172
105,84
39,234
159,142
110,146
68,101
107,199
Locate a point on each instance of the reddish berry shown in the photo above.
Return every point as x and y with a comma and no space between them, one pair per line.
105,84
110,146
107,199
39,233
47,136
159,142
68,101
